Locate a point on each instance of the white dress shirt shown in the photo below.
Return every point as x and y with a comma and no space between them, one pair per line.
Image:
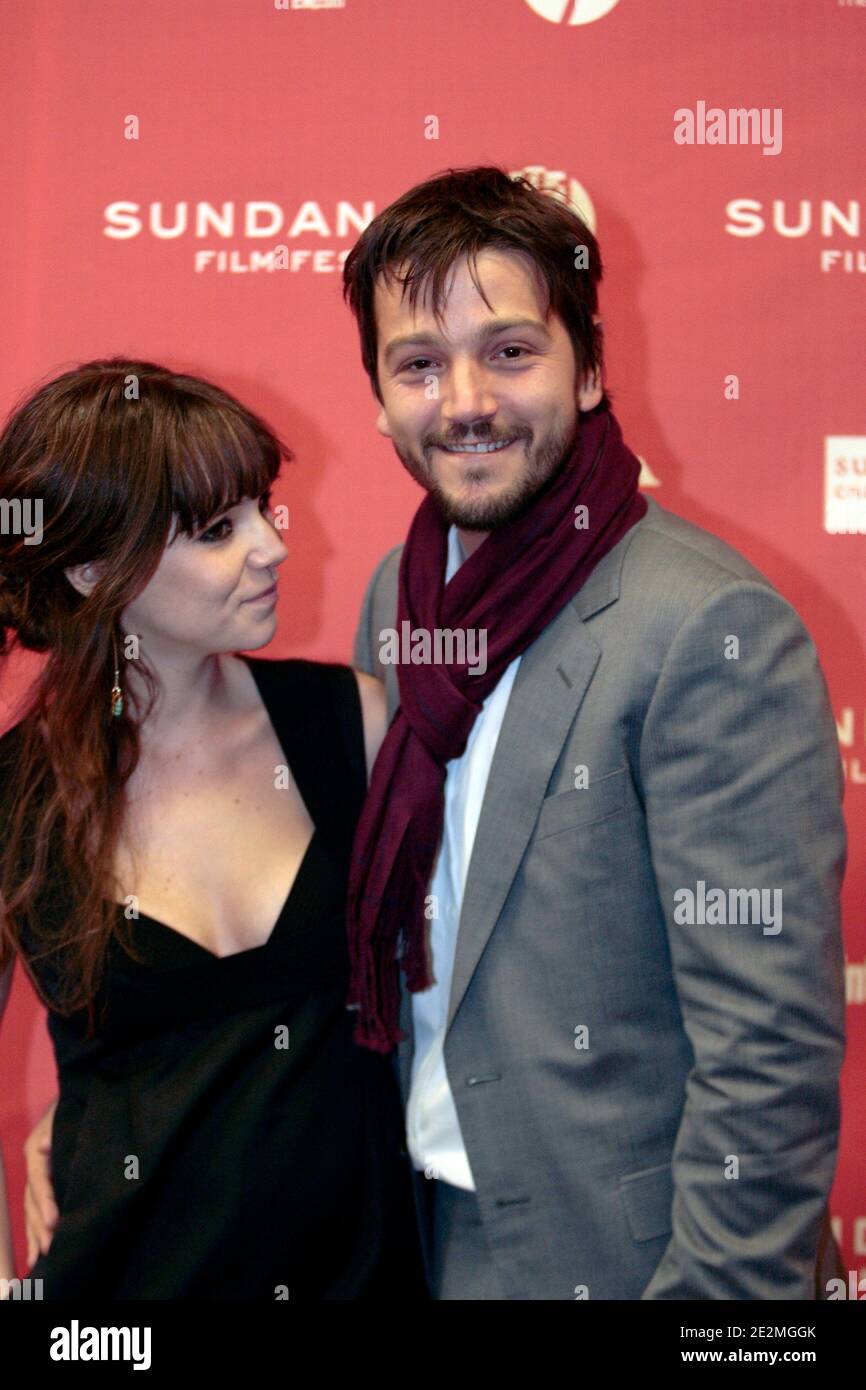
433,1130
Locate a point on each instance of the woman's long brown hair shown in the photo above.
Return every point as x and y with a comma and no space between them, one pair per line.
124,455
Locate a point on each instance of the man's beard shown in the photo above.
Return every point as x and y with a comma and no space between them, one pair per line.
487,514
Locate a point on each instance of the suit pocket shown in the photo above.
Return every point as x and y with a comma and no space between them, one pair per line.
581,806
648,1198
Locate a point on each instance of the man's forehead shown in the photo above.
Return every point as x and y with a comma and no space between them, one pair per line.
510,271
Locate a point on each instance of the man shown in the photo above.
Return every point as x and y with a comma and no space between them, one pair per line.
609,1095
608,846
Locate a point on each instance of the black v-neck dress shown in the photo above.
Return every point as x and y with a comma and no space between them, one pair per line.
223,1137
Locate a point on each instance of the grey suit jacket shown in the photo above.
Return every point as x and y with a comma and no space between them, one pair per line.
650,1106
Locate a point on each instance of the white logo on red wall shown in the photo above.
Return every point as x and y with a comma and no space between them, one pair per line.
647,476
572,11
256,222
845,484
855,984
562,185
837,227
851,731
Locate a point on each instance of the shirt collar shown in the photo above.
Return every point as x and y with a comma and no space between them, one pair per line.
456,554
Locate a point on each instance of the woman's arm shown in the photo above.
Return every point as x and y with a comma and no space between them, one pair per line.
7,1254
374,712
40,1208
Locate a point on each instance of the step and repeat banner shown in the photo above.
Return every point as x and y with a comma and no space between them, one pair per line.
183,182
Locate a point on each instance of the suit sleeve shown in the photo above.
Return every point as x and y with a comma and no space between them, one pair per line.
743,786
365,651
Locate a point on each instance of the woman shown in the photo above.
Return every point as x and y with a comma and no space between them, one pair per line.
176,829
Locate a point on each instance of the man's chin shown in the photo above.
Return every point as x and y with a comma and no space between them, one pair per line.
482,514
497,508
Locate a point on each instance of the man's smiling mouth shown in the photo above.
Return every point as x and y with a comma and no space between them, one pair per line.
494,448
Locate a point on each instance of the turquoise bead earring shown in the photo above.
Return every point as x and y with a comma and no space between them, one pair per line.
116,692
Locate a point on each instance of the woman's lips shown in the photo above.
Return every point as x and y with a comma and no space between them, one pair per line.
266,593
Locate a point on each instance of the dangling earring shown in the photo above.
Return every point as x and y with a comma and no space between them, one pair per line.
116,692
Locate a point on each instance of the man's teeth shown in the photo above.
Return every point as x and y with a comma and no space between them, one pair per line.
479,448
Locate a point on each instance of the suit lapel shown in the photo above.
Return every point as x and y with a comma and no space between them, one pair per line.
548,689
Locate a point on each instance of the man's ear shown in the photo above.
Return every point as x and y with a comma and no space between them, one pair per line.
84,577
382,423
590,393
591,390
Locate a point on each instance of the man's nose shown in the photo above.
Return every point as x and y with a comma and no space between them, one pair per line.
467,395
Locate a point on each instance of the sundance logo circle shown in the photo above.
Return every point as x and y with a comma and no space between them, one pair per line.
572,11
561,185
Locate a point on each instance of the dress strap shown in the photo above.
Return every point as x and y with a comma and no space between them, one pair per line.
315,709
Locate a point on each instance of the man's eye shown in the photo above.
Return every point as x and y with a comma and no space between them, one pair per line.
425,363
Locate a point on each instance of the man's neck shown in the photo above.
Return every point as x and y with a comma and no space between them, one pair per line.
470,540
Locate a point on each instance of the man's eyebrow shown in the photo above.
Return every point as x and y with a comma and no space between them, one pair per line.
487,331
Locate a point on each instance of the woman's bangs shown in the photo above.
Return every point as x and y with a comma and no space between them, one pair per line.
217,467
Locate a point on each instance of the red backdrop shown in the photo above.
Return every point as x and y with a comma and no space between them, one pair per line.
157,154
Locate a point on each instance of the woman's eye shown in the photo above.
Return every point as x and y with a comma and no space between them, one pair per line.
222,529
215,532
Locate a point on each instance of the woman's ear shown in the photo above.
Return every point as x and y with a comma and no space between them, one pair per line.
85,577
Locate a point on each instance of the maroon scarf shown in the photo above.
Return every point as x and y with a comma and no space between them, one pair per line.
513,586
